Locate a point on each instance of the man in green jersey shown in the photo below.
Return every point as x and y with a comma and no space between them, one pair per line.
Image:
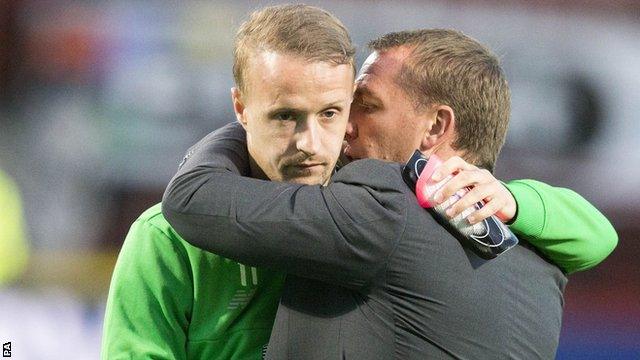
171,300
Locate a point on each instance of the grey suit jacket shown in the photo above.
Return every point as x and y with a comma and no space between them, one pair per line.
371,274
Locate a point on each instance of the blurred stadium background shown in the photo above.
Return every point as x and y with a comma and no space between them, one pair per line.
100,99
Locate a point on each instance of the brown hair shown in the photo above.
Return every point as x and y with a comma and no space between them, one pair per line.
447,67
300,30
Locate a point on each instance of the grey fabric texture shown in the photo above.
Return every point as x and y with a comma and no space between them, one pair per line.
371,274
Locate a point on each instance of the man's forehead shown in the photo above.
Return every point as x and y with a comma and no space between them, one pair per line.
287,74
379,70
364,90
299,101
384,62
273,61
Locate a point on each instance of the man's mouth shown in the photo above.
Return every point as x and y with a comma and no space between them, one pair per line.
308,165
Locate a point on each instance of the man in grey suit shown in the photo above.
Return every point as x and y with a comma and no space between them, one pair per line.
372,275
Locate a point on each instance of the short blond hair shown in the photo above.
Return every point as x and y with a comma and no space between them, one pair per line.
447,67
299,30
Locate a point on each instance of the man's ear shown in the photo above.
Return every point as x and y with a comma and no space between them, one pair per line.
441,129
238,106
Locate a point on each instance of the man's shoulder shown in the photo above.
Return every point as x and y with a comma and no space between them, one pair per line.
153,216
151,226
373,173
224,147
152,220
367,164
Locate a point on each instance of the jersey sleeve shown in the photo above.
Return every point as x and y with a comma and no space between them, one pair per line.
150,298
342,233
562,225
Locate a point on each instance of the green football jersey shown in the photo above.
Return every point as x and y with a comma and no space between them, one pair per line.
171,300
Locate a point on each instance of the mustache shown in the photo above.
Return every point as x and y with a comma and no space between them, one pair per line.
301,157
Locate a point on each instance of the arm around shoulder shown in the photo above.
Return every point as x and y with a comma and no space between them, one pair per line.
342,233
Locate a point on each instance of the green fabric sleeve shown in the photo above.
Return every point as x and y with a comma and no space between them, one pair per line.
562,225
150,298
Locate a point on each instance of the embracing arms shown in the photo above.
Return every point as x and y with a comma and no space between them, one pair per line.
559,222
344,232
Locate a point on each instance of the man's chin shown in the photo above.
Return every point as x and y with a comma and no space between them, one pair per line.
314,175
307,180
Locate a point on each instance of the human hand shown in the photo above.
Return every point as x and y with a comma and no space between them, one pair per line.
484,187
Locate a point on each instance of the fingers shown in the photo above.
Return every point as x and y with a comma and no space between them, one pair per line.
464,179
482,193
496,198
484,188
475,195
451,166
490,208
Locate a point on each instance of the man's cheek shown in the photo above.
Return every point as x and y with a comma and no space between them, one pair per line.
335,146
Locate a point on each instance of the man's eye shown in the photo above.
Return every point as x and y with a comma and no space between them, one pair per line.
285,117
329,114
364,106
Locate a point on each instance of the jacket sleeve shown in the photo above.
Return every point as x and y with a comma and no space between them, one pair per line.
150,298
342,233
562,224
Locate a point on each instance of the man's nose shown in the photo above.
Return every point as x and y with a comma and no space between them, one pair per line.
308,137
